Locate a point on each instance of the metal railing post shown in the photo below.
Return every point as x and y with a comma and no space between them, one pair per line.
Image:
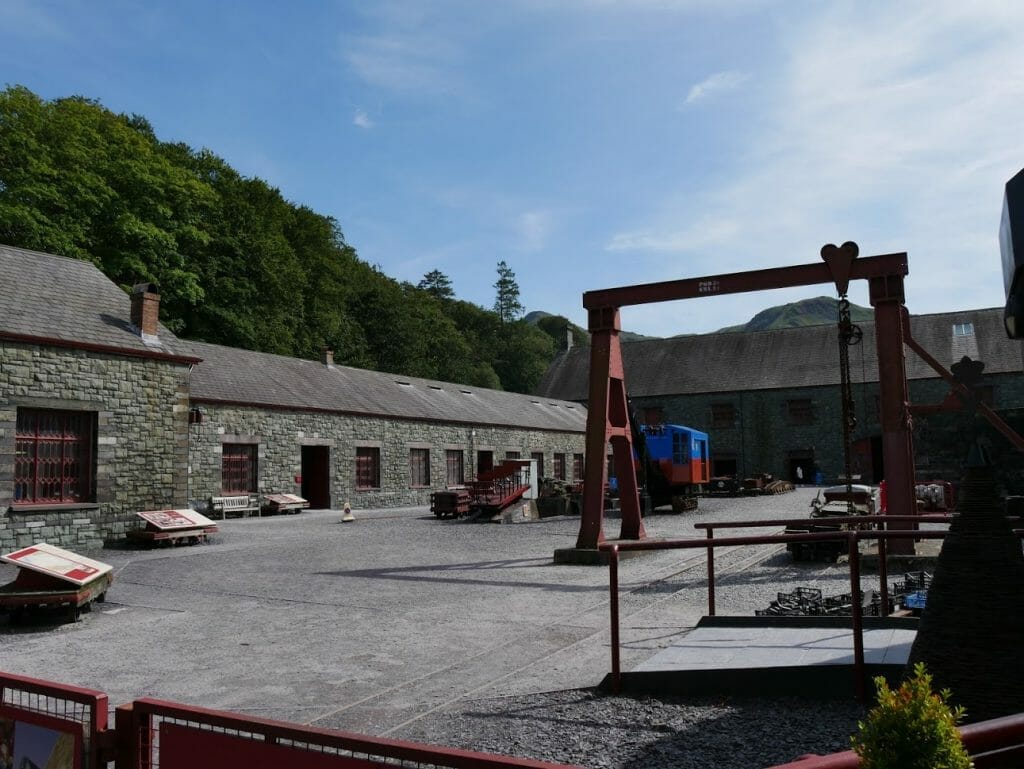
883,566
613,580
857,607
711,572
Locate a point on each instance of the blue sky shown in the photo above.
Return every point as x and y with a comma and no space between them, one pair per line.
588,143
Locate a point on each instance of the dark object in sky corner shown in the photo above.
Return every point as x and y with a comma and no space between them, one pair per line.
1011,246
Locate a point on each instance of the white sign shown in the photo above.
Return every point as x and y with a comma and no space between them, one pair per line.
57,562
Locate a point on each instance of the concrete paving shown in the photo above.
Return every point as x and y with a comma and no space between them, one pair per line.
705,648
368,625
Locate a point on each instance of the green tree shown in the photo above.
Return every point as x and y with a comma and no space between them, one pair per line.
437,284
525,353
506,303
238,264
556,326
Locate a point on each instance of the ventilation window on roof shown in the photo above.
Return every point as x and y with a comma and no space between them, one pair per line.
435,387
404,384
466,392
535,403
963,329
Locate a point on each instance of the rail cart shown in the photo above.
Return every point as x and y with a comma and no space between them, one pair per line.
173,527
51,578
285,503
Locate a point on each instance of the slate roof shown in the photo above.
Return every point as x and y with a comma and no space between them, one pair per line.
56,300
67,301
231,375
797,357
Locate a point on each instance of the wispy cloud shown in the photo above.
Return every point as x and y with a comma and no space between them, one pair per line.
896,129
716,83
32,20
362,119
534,228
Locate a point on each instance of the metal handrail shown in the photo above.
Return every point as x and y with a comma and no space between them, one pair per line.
852,537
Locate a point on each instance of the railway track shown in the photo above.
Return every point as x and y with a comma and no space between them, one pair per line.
579,638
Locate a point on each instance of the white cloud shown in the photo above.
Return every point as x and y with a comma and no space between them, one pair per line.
362,119
534,228
896,128
716,83
710,230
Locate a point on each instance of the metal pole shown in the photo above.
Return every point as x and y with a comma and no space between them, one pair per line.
858,618
711,573
883,567
613,581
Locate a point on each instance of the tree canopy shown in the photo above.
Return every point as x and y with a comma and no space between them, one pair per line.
236,263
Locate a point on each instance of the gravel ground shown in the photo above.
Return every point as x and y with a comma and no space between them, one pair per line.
586,728
589,728
444,632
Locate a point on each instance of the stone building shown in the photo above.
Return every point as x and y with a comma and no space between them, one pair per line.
104,412
770,399
93,404
333,434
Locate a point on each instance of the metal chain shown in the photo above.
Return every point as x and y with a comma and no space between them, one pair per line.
849,335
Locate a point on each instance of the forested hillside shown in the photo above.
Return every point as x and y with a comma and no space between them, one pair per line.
235,262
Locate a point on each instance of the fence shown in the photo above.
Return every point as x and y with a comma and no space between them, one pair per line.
65,727
852,538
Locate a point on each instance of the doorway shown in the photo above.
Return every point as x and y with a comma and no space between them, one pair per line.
801,467
316,476
484,461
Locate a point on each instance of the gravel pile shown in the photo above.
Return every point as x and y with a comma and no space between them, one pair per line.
589,729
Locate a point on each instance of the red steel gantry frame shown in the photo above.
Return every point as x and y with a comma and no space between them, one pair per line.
608,412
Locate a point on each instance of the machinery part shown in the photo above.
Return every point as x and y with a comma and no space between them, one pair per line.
849,335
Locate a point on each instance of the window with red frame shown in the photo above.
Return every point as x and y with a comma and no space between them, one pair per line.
454,471
367,467
559,467
577,467
419,467
55,457
239,465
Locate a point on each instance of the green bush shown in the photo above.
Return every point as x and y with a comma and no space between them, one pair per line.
911,728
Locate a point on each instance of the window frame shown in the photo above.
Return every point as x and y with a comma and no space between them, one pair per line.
367,468
239,462
454,467
800,411
558,466
419,468
723,415
578,467
77,440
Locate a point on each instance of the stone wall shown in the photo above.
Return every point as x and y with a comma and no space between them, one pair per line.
280,435
141,408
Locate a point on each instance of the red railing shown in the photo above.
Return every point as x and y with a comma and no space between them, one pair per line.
68,708
852,538
995,744
844,520
154,733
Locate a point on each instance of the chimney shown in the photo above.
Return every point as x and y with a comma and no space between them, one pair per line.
327,357
146,309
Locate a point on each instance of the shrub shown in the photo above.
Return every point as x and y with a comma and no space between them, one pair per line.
911,728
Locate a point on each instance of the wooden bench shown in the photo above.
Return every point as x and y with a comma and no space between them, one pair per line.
240,504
